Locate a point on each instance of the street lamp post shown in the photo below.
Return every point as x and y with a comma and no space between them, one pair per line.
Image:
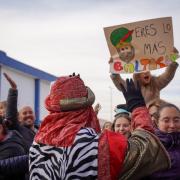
110,88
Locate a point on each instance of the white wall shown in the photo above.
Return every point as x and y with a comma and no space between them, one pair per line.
44,91
25,85
26,89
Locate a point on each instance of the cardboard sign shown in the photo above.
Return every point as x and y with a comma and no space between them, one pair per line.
140,46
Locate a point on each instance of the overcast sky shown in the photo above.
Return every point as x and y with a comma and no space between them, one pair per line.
62,37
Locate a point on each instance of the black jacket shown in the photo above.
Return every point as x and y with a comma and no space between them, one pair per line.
14,165
13,146
14,168
12,118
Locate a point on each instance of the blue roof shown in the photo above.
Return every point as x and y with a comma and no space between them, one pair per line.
12,63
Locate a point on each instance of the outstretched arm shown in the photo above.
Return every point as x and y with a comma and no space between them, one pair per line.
117,80
97,108
11,111
136,104
164,79
144,148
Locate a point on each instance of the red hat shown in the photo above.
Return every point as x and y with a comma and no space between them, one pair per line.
69,93
69,103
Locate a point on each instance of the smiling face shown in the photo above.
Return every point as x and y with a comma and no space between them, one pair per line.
126,53
27,117
169,120
122,126
145,77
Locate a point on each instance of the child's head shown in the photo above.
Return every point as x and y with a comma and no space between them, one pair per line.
144,78
3,105
107,125
122,124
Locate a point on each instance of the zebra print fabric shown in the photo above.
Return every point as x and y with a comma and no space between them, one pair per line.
76,162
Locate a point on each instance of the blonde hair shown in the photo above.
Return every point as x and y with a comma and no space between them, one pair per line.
3,103
107,122
156,102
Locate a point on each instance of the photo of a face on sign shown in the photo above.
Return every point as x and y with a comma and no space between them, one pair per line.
121,39
140,46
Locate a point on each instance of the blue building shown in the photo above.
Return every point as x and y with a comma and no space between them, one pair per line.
33,84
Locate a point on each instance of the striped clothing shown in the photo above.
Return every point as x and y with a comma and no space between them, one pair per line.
78,161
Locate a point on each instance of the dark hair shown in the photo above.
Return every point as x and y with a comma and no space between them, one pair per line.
2,122
122,106
157,102
3,103
107,122
167,105
1,119
124,115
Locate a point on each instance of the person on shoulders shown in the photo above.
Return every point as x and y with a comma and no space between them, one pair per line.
150,85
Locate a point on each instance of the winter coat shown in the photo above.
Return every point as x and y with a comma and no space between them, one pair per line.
14,165
171,142
11,146
12,119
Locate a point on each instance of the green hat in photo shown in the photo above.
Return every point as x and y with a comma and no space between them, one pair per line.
121,36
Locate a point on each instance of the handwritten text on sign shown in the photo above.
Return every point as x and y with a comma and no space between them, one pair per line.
140,46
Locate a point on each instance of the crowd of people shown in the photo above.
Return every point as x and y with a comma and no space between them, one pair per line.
143,141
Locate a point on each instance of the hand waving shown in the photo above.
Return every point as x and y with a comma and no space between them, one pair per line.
97,108
11,82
